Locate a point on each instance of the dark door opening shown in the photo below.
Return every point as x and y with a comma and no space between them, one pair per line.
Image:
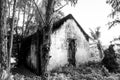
71,51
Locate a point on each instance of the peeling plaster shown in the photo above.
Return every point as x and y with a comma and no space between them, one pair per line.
59,45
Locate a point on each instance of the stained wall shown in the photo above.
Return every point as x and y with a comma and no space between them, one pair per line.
59,45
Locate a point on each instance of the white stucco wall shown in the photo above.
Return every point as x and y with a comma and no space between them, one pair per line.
59,45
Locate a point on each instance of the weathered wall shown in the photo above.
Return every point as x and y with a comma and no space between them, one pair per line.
32,57
59,45
94,53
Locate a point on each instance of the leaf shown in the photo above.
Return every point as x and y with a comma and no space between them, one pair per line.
112,24
115,4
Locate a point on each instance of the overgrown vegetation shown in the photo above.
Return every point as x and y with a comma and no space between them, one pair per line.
87,71
35,18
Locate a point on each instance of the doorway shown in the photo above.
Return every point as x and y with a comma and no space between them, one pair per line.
71,51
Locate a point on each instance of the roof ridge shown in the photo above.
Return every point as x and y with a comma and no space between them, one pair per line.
57,24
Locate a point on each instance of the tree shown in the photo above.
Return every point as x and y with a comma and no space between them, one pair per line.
11,34
3,40
46,22
44,16
115,4
95,35
50,6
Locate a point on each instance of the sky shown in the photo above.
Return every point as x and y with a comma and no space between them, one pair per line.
91,14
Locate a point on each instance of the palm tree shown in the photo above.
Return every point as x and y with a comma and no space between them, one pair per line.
95,35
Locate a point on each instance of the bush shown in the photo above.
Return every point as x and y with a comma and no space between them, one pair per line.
110,59
87,71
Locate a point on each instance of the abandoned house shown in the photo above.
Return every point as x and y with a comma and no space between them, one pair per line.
69,45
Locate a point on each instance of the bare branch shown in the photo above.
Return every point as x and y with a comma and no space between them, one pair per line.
27,24
61,7
39,12
29,20
113,23
116,39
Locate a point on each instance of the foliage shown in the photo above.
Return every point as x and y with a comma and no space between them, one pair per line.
32,9
95,34
88,71
115,4
21,4
110,59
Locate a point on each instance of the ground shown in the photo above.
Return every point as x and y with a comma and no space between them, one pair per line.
87,71
92,70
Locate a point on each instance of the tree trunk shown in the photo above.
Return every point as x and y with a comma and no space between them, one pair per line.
47,34
11,35
3,40
17,21
9,8
100,50
23,21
